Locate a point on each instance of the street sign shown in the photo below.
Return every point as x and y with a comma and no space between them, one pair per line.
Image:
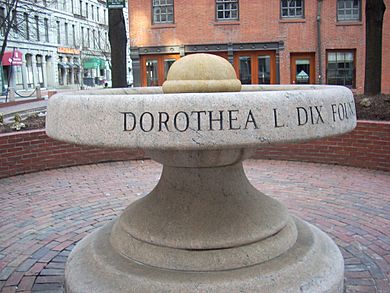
115,4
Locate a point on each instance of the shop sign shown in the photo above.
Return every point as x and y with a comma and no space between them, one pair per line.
114,4
65,50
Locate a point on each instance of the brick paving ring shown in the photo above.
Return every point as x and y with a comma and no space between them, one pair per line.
204,226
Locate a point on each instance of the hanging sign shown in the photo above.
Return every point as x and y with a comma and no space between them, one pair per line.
114,4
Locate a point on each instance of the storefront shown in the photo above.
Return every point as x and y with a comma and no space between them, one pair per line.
94,71
11,64
68,66
254,63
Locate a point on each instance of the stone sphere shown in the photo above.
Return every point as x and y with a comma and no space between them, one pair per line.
201,73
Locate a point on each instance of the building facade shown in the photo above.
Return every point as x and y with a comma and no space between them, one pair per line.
61,43
268,42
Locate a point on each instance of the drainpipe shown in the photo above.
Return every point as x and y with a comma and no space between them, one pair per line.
319,43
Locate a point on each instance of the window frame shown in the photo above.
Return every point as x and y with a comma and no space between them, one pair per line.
358,19
353,51
227,2
160,6
295,8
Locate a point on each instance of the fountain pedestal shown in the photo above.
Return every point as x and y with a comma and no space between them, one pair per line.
204,227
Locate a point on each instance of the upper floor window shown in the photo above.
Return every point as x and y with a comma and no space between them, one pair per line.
162,11
291,8
227,9
38,36
27,26
348,10
46,25
2,19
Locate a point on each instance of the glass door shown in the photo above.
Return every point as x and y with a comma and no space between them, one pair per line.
154,68
302,68
256,67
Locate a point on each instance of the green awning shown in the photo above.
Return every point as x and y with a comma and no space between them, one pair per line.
94,63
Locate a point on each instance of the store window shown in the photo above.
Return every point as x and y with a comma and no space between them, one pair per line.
341,68
155,68
226,9
348,10
29,69
162,11
256,67
39,69
292,8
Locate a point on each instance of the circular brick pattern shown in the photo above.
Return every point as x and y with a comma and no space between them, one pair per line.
44,214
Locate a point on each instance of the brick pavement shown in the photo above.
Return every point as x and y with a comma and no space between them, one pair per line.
44,214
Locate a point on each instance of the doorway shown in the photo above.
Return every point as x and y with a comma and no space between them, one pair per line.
302,68
255,67
154,68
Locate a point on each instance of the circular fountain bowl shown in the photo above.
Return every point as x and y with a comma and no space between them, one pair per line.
150,119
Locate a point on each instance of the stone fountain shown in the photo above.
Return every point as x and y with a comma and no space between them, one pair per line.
204,227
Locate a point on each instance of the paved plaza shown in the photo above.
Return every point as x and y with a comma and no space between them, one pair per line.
44,214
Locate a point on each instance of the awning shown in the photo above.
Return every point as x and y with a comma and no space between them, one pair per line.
13,57
94,63
63,65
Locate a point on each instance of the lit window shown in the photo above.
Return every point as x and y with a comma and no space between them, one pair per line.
341,68
291,8
348,10
227,9
162,11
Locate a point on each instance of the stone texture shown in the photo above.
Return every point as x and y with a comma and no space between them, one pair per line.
190,121
201,73
204,226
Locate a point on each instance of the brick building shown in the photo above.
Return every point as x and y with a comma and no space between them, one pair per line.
276,41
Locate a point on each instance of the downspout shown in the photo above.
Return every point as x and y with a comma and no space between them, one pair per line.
319,42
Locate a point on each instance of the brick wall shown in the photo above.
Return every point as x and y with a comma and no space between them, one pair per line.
31,151
260,21
368,146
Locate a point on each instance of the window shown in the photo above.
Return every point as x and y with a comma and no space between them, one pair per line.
97,14
88,38
348,10
46,24
66,34
37,27
82,37
58,32
94,39
291,8
341,68
81,7
92,12
162,11
27,26
74,35
39,69
15,16
86,10
29,69
227,9
2,18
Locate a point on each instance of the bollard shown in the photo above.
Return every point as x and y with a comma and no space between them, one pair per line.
11,94
38,92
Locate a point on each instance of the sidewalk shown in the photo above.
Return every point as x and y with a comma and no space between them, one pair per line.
44,214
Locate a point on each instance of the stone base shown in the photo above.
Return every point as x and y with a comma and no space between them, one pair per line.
313,264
